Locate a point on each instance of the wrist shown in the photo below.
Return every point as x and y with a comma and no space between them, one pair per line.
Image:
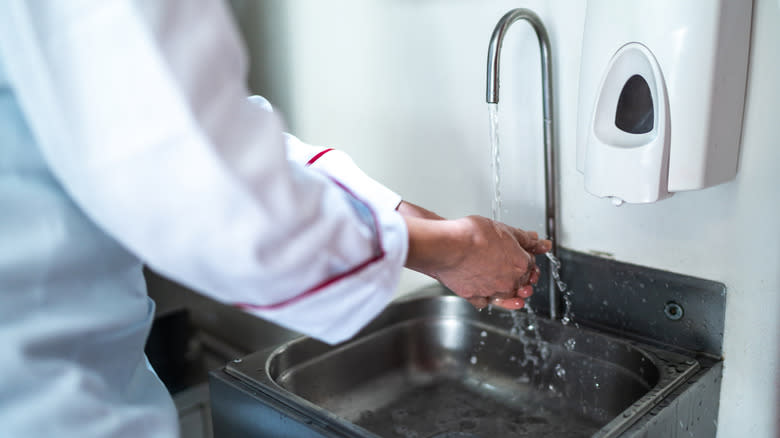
459,238
436,245
409,209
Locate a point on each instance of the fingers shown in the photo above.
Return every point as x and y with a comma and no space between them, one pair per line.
524,272
535,275
503,295
525,238
527,271
542,246
508,303
512,303
525,291
539,247
523,286
530,241
478,302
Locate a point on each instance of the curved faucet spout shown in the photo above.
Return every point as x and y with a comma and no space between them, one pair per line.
494,54
493,61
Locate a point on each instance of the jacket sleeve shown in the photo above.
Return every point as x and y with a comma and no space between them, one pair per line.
337,165
140,110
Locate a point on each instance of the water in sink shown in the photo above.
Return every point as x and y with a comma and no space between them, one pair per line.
474,408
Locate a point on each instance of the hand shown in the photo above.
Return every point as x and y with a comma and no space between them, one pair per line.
499,268
479,259
531,243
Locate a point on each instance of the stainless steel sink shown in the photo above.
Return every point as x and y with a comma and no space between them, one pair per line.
433,366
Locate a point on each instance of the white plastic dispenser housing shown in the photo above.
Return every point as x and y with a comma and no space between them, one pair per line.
661,96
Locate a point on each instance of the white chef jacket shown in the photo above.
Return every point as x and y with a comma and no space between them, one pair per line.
126,137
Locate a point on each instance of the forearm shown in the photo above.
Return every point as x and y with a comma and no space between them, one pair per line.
433,241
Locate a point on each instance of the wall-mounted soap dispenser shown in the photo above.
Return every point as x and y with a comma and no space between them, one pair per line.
661,95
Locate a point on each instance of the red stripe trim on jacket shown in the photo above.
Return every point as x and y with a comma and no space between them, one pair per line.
318,156
329,281
313,290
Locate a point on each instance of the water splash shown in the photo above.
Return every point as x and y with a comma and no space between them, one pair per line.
555,266
560,371
525,328
496,161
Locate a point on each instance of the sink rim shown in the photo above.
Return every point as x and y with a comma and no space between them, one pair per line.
256,369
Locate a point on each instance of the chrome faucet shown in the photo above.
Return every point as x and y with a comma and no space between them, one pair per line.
494,54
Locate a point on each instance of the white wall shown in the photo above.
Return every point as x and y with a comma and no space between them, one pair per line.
400,84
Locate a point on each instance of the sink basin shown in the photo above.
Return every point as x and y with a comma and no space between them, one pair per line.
433,366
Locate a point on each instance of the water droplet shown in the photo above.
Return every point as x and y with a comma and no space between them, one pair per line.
545,352
473,360
555,265
560,371
570,344
483,333
524,379
237,360
617,202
